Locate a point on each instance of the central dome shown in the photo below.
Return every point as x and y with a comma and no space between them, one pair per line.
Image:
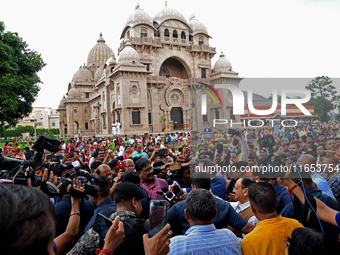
168,13
99,53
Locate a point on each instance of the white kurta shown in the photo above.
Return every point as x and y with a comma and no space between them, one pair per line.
117,128
113,129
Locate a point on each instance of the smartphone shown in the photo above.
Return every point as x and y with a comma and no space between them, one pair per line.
330,154
70,155
158,216
102,224
162,152
175,166
121,164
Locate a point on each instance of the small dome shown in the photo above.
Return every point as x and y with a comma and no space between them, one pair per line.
111,61
73,93
222,64
62,101
98,73
82,75
129,55
197,26
99,53
168,13
139,16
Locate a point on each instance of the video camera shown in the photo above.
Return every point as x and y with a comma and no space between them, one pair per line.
14,170
272,161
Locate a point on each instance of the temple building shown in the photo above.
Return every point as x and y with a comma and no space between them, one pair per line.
156,82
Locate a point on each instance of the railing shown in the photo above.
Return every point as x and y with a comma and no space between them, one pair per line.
175,40
203,48
181,126
167,38
141,41
135,126
177,80
184,41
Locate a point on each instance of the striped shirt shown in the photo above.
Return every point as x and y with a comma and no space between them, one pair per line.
205,239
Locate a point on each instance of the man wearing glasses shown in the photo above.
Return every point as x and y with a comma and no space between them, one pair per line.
148,181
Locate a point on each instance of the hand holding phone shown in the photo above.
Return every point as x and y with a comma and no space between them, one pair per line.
158,216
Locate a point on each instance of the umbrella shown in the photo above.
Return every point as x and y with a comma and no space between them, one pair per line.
194,131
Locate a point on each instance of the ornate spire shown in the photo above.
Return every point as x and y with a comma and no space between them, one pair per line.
137,6
166,3
192,16
100,40
222,55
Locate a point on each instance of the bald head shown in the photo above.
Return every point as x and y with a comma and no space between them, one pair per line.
104,169
306,159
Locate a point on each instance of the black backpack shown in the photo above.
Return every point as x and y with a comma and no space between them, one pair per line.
134,229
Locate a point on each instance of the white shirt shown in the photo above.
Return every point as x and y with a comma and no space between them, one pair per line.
238,207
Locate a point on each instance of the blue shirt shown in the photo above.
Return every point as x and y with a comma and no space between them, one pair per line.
63,210
218,187
322,184
331,230
226,215
107,207
282,195
337,219
137,154
205,239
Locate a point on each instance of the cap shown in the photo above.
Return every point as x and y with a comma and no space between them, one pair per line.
240,164
129,189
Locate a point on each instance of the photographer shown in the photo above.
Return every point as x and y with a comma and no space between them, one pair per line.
102,200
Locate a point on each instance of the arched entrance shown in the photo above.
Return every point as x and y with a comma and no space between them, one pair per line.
173,67
176,115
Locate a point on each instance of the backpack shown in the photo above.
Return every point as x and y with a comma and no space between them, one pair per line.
134,229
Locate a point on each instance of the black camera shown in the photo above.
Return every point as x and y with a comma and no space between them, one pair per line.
233,132
267,141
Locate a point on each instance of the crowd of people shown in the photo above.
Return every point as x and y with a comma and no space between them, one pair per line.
219,199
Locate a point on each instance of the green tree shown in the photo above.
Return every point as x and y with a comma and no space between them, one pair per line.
18,77
323,97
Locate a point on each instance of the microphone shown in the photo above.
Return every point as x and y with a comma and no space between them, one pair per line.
169,181
177,191
165,189
233,145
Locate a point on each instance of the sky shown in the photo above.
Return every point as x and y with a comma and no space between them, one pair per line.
261,39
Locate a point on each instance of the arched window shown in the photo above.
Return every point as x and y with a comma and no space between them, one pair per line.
200,41
190,38
166,32
232,116
128,34
183,36
217,114
143,33
156,33
174,34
